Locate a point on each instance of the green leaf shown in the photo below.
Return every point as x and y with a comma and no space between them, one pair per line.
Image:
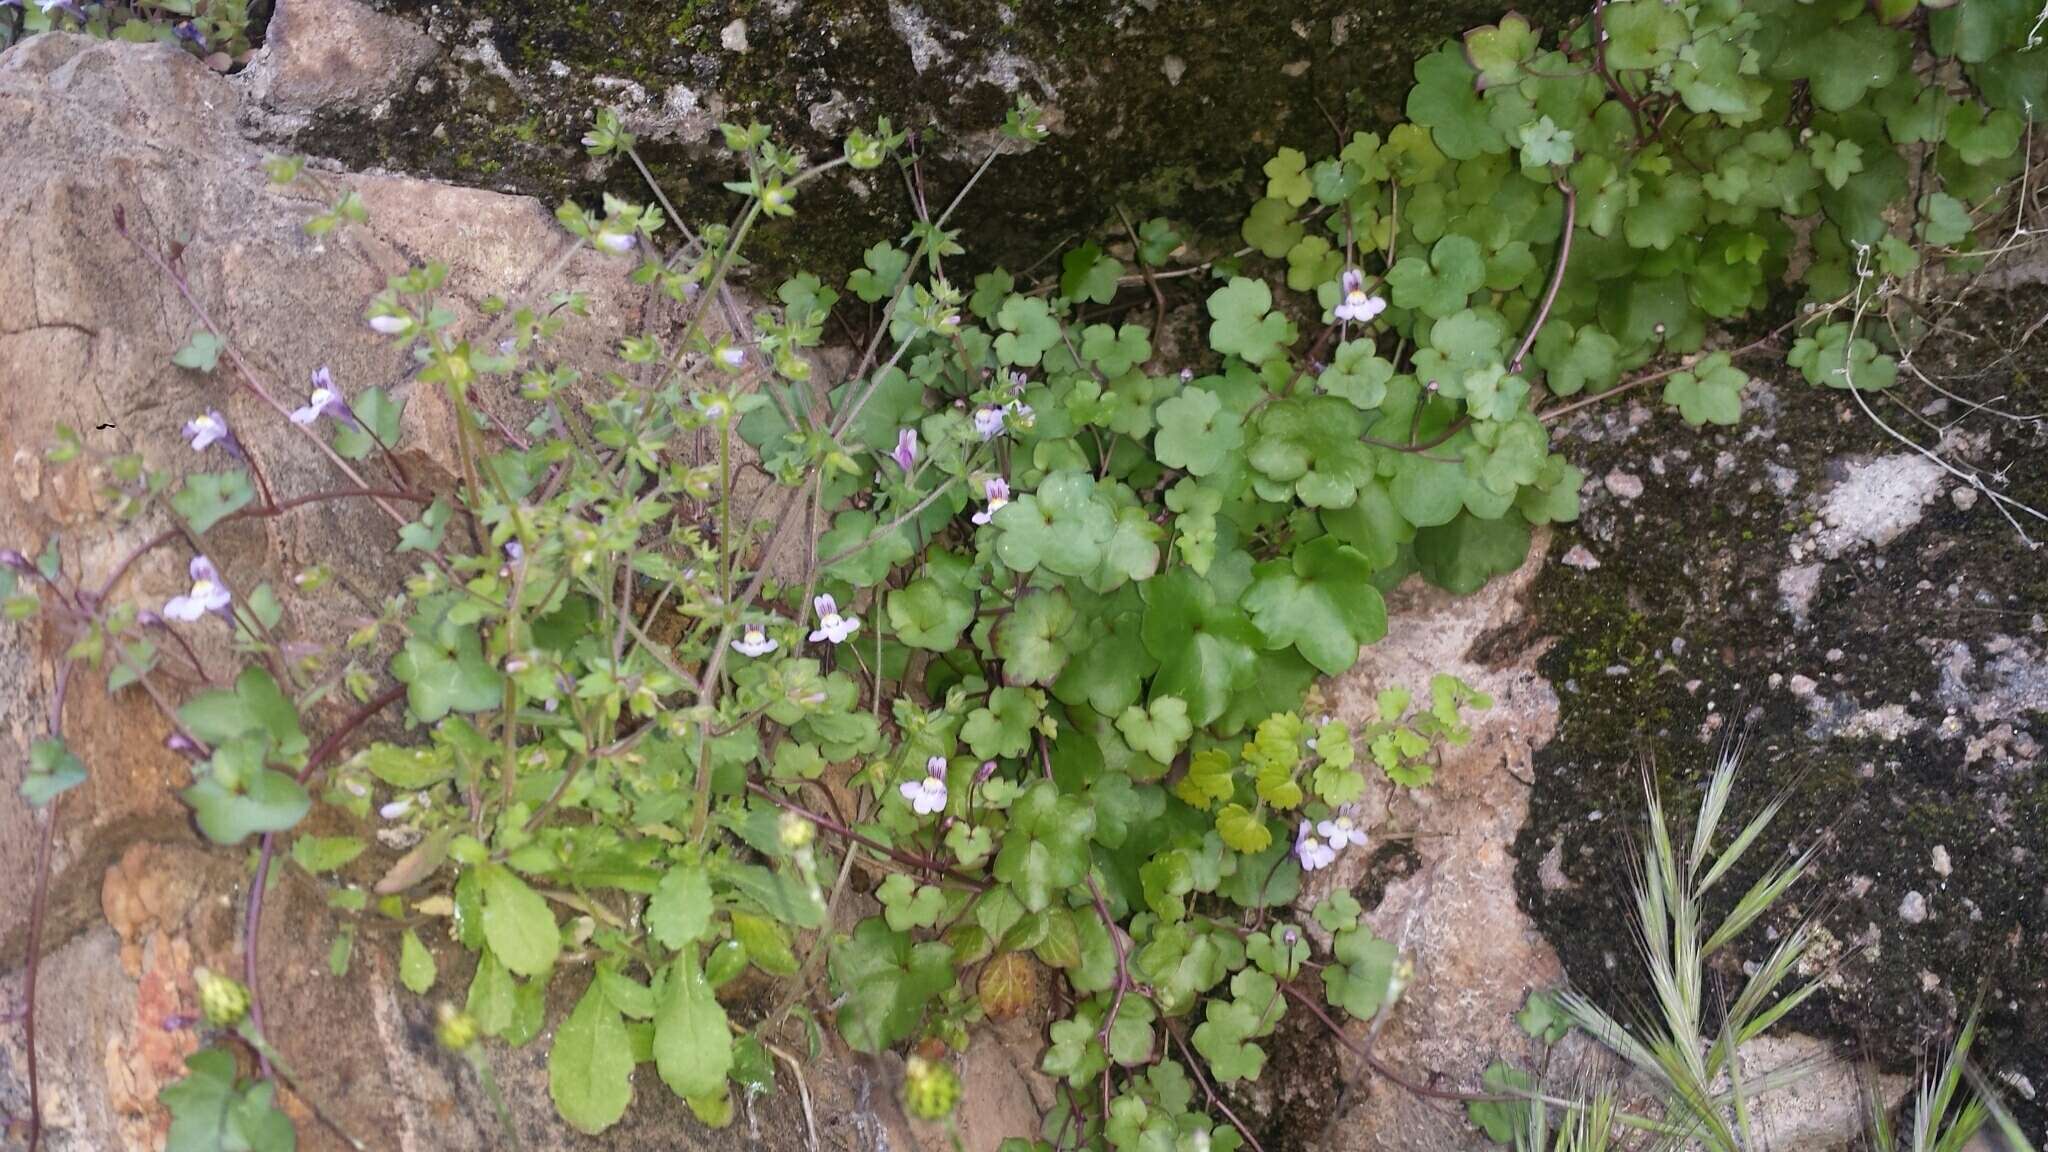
1271,228
692,1042
1196,434
1357,373
1028,331
679,912
590,1064
1945,220
517,923
212,1111
1463,555
52,771
1309,447
1361,980
1158,729
260,800
207,498
426,533
1285,178
1642,33
1204,648
442,678
1033,640
886,981
930,614
1440,285
416,968
1321,601
201,353
1497,50
317,854
1837,159
1087,274
1045,849
1065,526
1446,100
1003,728
885,266
1245,323
378,419
1710,392
1241,830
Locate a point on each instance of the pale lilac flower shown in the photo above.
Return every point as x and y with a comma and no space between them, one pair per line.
1342,830
1187,375
208,594
1020,416
206,430
905,454
1356,306
833,627
997,491
403,806
1310,850
927,796
732,356
754,641
988,422
615,241
390,324
326,400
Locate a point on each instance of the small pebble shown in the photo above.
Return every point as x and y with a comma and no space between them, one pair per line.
1965,498
1626,485
1942,867
1581,559
1913,909
734,36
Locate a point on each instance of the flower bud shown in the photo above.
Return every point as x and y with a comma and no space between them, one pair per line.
795,831
9,558
930,1088
222,999
455,1029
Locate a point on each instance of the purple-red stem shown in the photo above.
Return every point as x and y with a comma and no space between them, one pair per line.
253,920
1564,255
907,859
38,905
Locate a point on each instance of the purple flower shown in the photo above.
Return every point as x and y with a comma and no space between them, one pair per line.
754,641
997,491
732,356
988,422
208,594
832,627
1020,416
187,30
905,454
1342,830
204,431
326,400
1310,850
927,796
1356,306
615,241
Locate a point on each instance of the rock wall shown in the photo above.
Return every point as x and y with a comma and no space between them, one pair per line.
1157,105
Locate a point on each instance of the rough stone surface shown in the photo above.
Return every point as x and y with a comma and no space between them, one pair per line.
517,82
1884,647
333,55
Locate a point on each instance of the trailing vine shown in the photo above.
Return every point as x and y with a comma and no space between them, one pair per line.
990,662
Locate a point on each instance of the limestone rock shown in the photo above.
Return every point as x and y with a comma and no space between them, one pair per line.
326,55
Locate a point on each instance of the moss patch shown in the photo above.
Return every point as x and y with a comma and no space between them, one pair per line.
1912,729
